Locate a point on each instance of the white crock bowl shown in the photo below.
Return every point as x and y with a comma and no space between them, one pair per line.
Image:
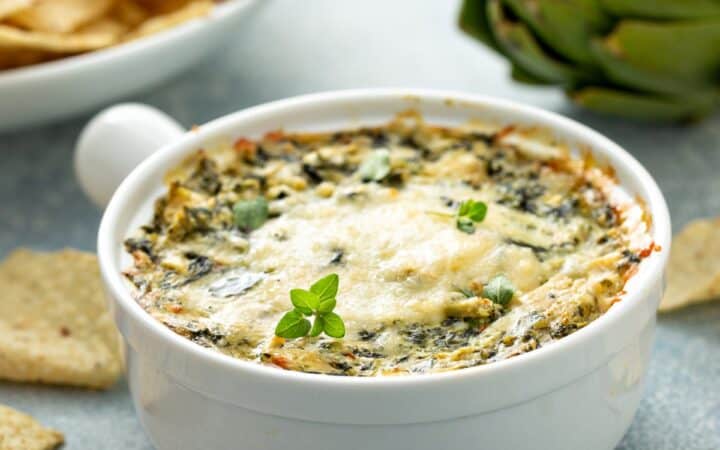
578,393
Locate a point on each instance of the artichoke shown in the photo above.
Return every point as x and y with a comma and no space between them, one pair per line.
644,59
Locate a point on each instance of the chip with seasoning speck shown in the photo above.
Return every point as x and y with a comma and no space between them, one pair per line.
54,325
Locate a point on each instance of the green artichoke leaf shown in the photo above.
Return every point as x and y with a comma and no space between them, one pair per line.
565,26
520,45
474,21
644,106
681,57
520,75
663,9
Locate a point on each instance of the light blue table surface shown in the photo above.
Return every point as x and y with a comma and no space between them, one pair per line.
294,47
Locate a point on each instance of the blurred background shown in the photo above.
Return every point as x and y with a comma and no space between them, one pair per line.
291,47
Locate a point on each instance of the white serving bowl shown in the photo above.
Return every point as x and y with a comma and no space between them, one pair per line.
578,393
45,92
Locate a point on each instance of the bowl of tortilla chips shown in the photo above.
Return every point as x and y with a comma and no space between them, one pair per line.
62,57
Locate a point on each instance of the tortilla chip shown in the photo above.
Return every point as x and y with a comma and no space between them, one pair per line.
107,26
160,23
19,431
129,12
60,16
54,324
162,6
8,7
13,38
36,31
694,268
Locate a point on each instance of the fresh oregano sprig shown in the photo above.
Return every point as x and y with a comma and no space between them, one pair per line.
469,213
320,302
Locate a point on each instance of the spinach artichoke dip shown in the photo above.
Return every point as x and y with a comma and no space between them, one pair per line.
409,248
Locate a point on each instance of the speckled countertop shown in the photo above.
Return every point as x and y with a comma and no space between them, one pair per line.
292,47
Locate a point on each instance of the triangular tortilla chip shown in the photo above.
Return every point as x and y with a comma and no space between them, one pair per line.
13,38
8,7
129,12
160,23
694,270
162,6
60,16
19,431
108,26
54,324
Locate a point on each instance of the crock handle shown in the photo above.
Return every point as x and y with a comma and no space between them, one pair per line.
115,141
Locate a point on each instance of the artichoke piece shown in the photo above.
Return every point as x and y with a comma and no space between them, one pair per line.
652,58
518,74
566,26
517,41
663,57
663,9
474,21
643,106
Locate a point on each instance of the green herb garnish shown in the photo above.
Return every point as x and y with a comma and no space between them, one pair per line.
249,215
470,213
376,166
320,302
292,325
500,290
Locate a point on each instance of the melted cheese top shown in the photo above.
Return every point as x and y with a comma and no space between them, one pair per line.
411,283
